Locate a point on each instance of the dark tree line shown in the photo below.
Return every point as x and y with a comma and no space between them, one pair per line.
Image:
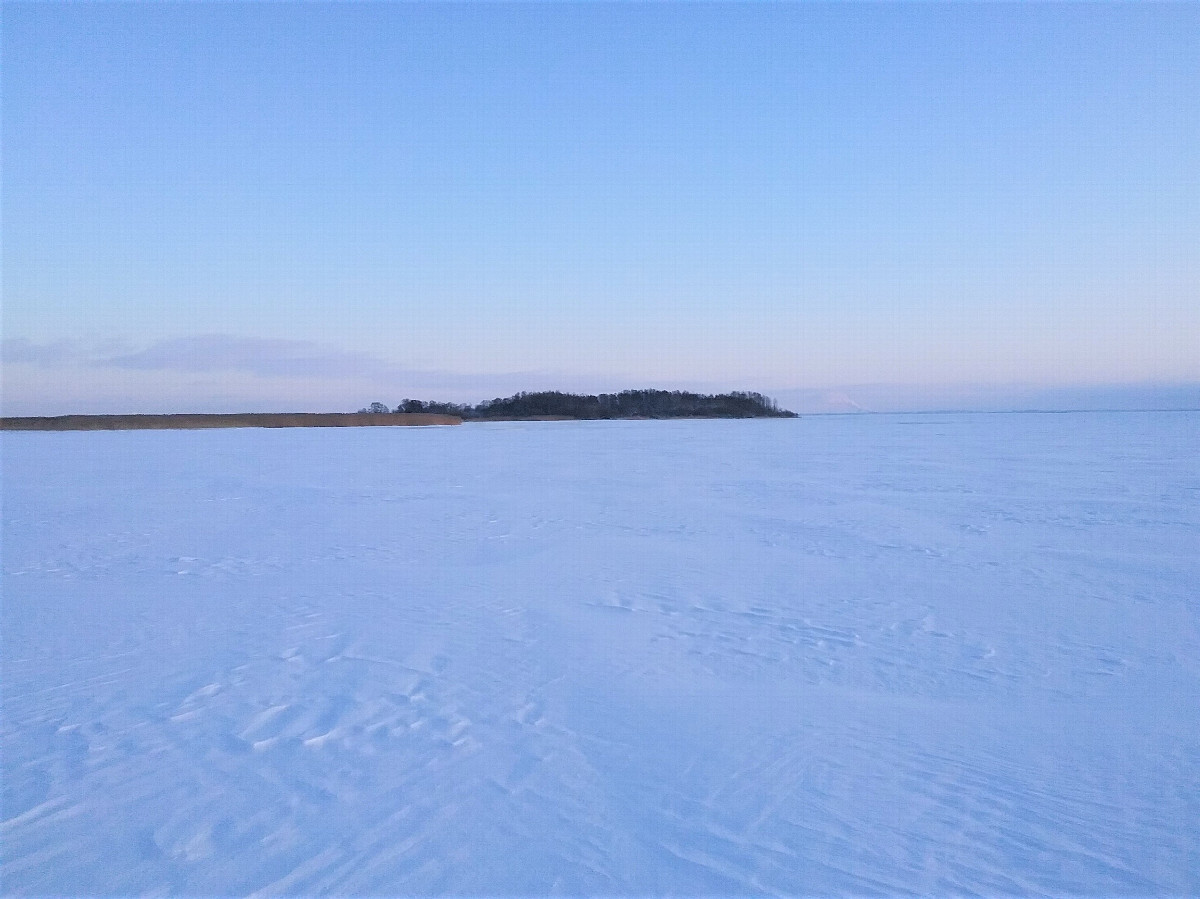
626,404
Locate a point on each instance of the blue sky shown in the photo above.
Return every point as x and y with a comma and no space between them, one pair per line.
243,205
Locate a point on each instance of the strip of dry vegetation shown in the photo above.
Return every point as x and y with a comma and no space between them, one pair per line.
187,422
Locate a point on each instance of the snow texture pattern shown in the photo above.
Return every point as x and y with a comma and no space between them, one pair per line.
936,654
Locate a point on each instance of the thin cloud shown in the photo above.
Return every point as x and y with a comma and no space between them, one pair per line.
263,357
18,350
266,358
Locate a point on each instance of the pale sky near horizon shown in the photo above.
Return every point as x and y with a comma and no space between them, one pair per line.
253,205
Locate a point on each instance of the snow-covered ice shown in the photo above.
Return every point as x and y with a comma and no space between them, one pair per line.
939,654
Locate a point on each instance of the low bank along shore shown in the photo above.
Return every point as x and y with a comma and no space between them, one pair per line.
187,422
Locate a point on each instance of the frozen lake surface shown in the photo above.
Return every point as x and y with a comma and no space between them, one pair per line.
940,654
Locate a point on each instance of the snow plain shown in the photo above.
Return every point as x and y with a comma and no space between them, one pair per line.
936,654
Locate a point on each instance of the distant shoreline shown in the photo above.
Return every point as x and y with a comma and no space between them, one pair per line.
189,422
204,421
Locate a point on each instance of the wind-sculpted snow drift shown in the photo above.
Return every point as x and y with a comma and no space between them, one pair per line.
876,654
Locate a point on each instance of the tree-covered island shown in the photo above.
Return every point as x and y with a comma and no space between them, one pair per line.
626,404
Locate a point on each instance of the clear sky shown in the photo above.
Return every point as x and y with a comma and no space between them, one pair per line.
259,205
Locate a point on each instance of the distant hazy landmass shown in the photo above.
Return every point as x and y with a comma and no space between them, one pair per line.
993,398
626,404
